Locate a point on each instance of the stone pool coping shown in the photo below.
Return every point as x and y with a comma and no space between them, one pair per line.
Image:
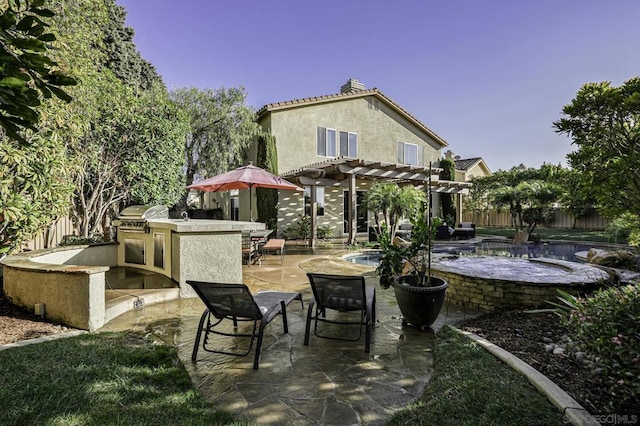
486,289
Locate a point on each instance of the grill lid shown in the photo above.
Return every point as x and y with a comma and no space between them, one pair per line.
144,213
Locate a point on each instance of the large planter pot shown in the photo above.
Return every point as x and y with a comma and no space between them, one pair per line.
420,306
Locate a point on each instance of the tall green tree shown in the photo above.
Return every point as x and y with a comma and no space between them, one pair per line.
448,173
123,57
603,122
34,174
126,144
27,72
132,153
35,187
267,198
221,129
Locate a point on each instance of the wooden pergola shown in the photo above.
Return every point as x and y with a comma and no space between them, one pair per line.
343,171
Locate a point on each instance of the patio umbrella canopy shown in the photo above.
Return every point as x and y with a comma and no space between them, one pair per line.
245,177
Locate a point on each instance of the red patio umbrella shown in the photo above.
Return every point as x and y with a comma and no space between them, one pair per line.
245,177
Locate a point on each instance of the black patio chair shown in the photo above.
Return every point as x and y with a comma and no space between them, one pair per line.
236,303
341,293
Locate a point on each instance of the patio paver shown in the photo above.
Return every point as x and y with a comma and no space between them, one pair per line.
327,382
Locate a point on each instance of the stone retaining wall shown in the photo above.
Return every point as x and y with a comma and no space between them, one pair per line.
492,294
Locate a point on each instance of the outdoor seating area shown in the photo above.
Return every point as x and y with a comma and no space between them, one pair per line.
330,381
274,246
464,231
234,302
343,294
253,243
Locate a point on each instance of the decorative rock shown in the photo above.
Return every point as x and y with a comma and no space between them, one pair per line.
580,356
558,350
550,347
547,340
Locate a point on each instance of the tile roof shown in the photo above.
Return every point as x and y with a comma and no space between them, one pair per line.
467,163
351,95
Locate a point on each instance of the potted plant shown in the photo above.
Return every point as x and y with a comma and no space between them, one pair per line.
406,265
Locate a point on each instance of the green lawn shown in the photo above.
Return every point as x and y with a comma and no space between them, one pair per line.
551,234
123,378
100,379
469,386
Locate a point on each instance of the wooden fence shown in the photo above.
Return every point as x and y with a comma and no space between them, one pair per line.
561,219
51,236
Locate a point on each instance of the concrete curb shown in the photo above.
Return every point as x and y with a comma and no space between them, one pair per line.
42,339
572,410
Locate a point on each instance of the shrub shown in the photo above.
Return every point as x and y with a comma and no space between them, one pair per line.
625,228
73,240
301,229
605,326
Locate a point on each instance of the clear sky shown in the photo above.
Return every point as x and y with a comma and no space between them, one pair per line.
490,76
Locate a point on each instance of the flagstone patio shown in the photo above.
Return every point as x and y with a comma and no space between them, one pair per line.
327,382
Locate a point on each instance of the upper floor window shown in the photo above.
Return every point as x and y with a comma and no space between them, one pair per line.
319,200
409,153
348,144
373,104
326,142
332,143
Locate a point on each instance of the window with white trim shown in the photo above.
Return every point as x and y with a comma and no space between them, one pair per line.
409,153
332,143
319,200
348,144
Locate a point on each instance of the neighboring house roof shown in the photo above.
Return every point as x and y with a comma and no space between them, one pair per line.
467,163
297,103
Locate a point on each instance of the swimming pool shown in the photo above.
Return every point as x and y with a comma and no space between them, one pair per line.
500,275
552,250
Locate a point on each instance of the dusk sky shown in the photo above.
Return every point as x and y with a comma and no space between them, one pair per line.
490,77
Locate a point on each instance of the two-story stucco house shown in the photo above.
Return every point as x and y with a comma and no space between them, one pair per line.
336,146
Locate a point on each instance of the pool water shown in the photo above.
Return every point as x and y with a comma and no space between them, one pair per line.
552,250
561,251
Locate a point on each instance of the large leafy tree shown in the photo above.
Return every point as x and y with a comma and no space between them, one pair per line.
126,143
35,188
528,194
27,72
34,174
123,57
603,122
222,127
132,152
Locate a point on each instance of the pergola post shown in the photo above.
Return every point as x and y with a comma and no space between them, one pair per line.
313,234
353,226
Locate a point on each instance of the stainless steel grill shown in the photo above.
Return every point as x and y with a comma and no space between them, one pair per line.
135,218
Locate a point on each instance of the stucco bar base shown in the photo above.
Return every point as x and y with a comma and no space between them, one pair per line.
205,250
70,281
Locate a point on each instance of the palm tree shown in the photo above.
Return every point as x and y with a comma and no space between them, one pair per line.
392,202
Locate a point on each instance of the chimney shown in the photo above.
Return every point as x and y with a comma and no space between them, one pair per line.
448,155
352,85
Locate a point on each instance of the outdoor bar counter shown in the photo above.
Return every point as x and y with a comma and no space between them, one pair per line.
68,282
194,249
